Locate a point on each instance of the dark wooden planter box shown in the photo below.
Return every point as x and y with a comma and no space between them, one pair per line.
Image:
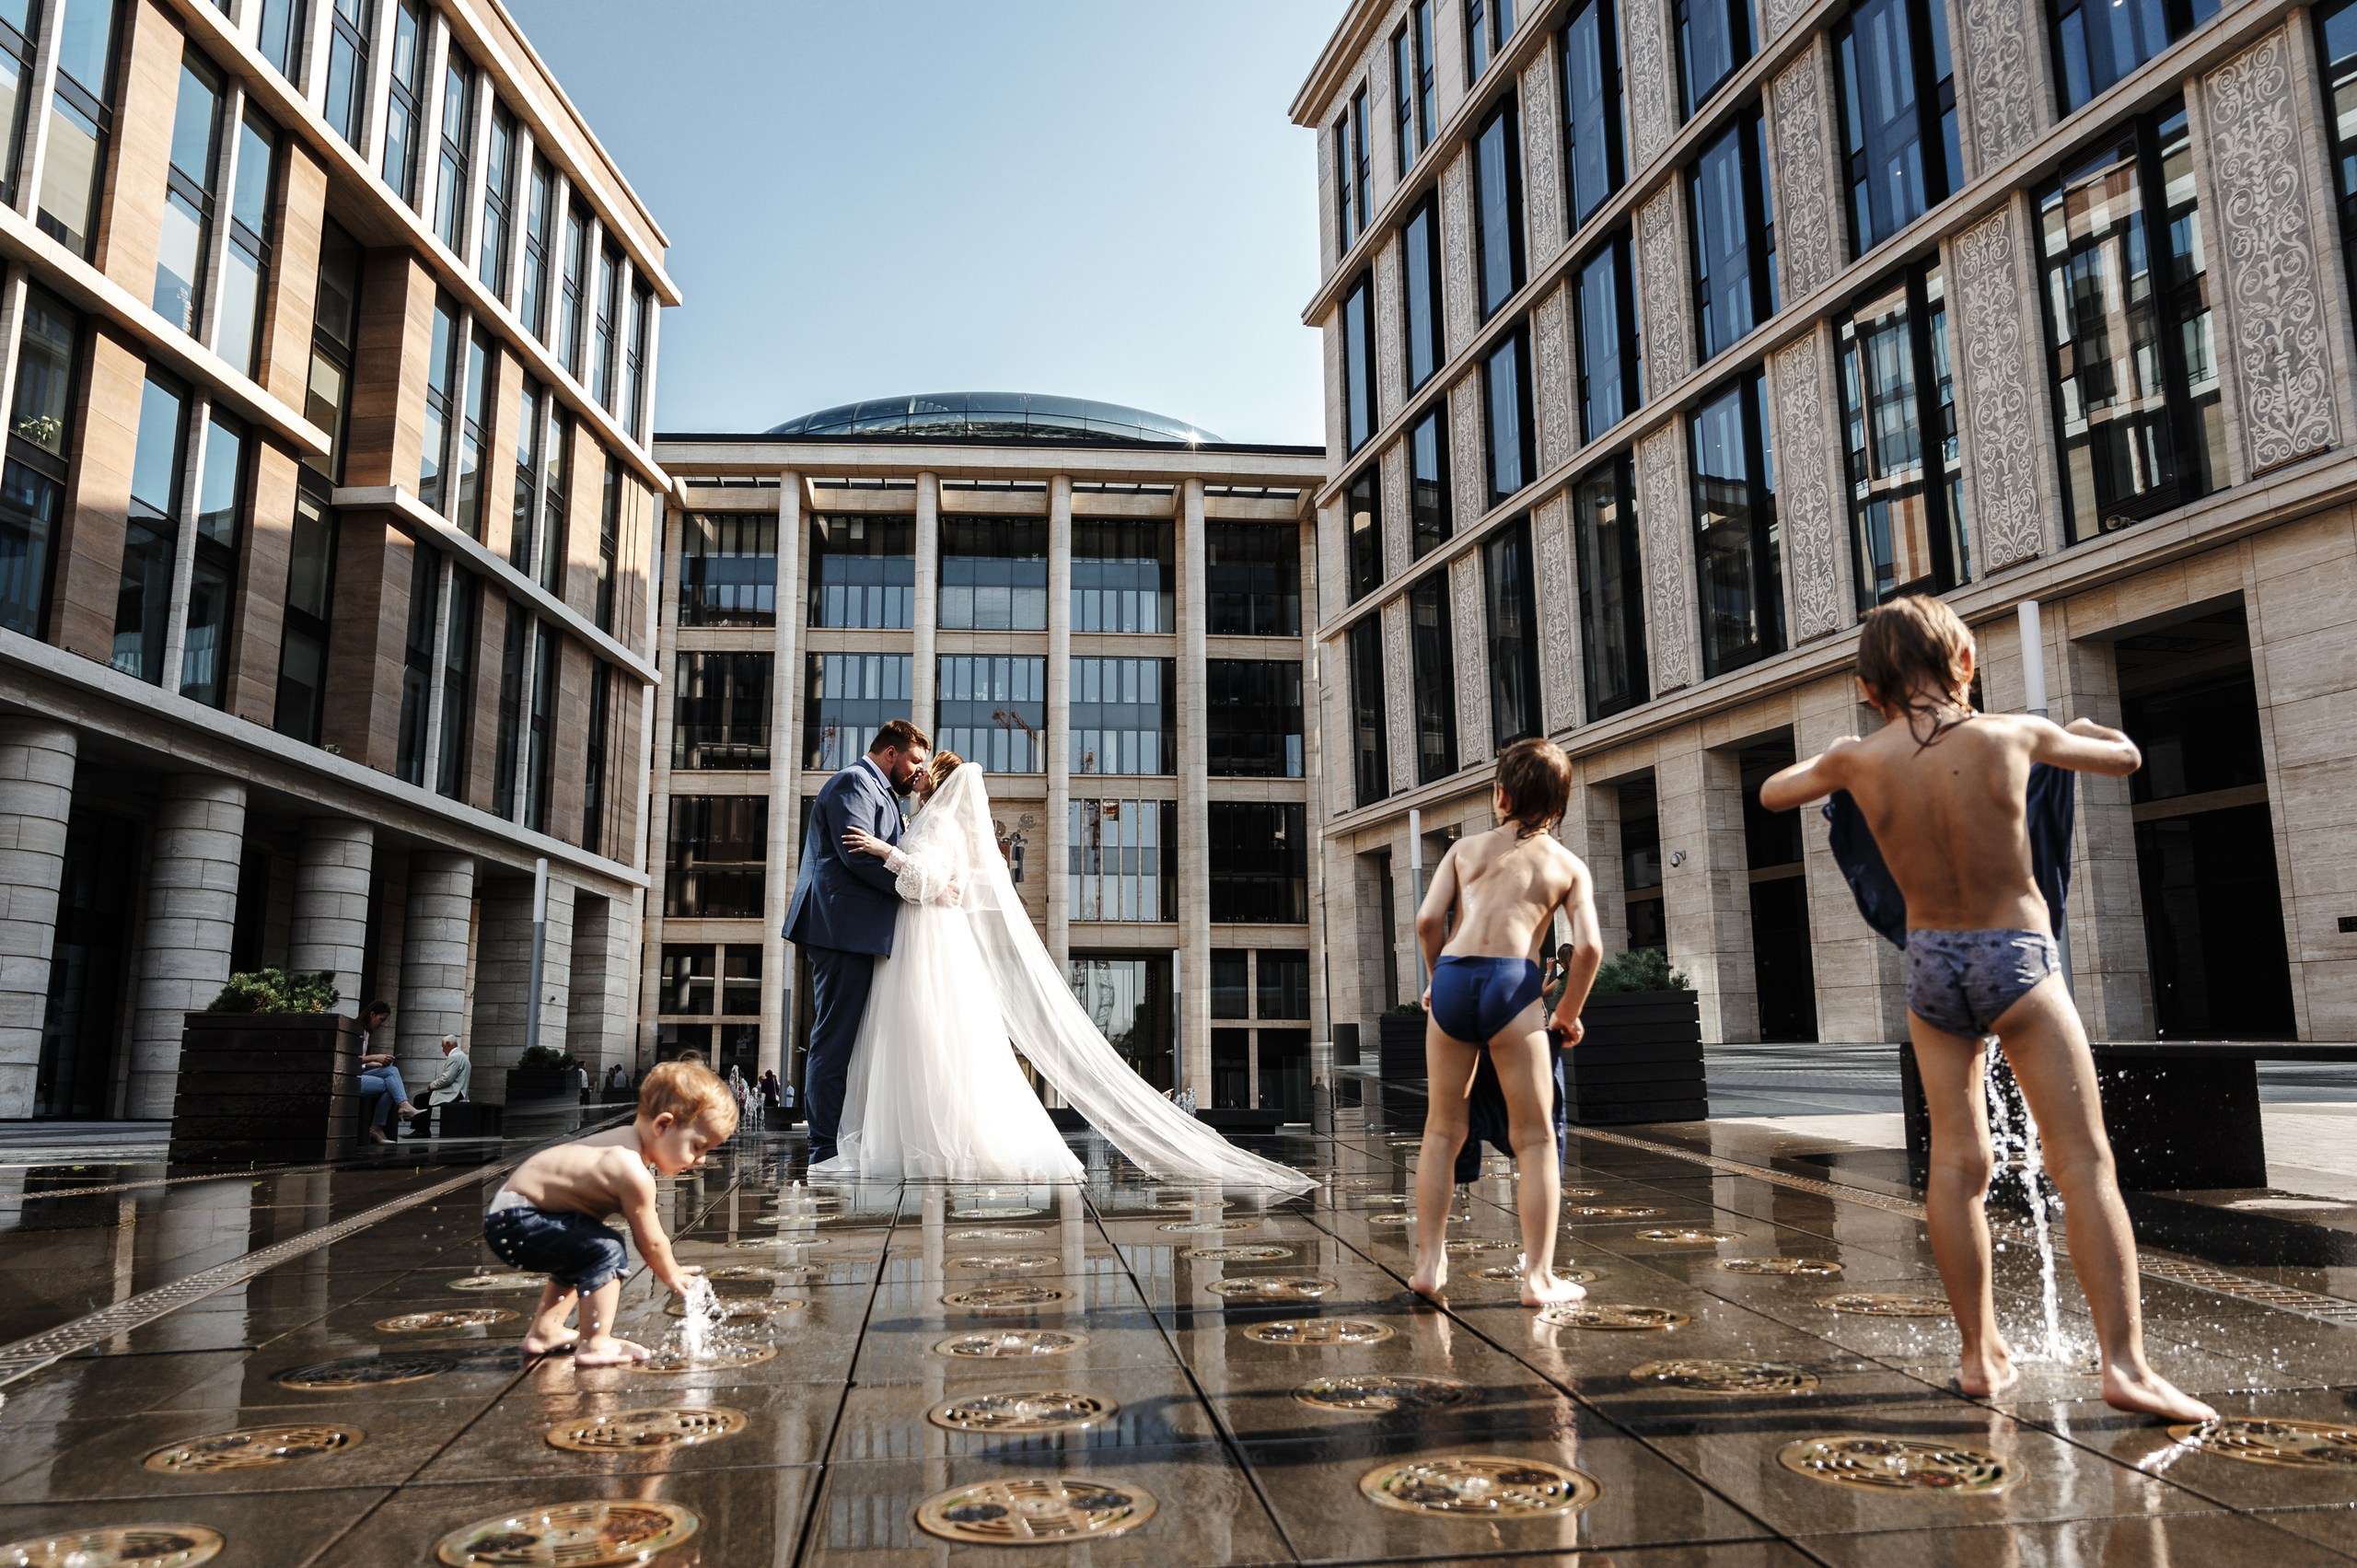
1401,1048
1237,1119
270,1087
527,1084
1346,1045
1640,1060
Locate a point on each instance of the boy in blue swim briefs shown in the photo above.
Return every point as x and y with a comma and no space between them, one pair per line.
1504,887
1943,790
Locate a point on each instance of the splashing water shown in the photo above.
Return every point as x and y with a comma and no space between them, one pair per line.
2020,1154
699,1330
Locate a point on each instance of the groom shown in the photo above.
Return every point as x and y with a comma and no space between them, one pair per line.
844,906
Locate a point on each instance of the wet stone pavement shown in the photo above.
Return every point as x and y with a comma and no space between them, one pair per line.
1127,1372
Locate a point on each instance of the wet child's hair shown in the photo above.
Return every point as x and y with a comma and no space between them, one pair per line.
1535,779
1913,639
688,1089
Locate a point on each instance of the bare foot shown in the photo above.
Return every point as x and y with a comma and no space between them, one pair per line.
607,1352
1431,1278
1986,1376
1546,1289
536,1343
2153,1395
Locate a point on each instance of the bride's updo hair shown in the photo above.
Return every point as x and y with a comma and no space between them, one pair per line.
939,767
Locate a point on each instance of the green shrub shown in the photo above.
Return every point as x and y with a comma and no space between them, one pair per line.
546,1057
1404,1010
275,991
1641,969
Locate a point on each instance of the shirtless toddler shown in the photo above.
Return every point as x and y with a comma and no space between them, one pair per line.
1505,887
547,1218
1943,790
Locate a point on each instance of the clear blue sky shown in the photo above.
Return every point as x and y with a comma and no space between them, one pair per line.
876,197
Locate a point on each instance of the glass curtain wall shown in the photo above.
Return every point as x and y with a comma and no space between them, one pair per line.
1123,860
1253,718
1431,657
1252,579
993,709
80,122
1610,384
186,217
1513,643
1124,716
1735,235
144,600
1363,504
1714,38
32,485
994,574
1590,70
1899,113
721,715
1612,599
1419,276
213,566
245,271
1428,482
1371,758
846,699
1497,207
863,571
1125,574
1737,571
1899,417
728,569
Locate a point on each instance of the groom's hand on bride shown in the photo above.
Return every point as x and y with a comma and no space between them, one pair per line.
859,841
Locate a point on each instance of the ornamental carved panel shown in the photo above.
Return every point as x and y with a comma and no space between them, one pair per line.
2000,373
2275,297
2001,77
1557,383
1457,307
1396,524
1399,714
1469,471
1541,138
1667,528
1645,68
1661,268
1810,507
1469,630
1333,553
1809,242
1783,14
1390,352
1559,616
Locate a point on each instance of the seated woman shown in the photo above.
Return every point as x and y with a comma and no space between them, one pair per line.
380,1078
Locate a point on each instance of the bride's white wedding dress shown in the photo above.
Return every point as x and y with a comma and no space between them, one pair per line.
934,1092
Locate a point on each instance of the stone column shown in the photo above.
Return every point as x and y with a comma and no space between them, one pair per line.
1706,898
330,930
433,998
191,914
784,848
596,1010
1058,848
503,982
1194,1053
928,596
1861,980
35,799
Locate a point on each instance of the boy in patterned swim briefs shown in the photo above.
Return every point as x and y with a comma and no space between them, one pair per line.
1944,791
548,1216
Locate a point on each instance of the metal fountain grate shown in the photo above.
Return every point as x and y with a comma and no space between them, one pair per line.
657,1427
1011,1344
1898,1464
444,1317
118,1546
1610,1315
251,1447
1479,1486
1319,1331
1727,1376
1272,1287
578,1535
1030,1412
1035,1509
1802,1268
1380,1393
1253,1253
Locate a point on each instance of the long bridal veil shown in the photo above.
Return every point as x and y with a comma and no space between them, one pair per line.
1048,1025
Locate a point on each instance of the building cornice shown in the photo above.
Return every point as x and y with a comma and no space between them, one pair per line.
1343,50
692,454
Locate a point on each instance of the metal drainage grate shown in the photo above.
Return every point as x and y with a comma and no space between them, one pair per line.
1012,1345
1376,1393
643,1431
2275,1440
1248,1254
1319,1331
1508,1273
1727,1376
444,1317
1006,1298
118,1546
579,1535
1802,1268
1479,1486
1896,1464
1035,1509
1887,1304
1048,1410
251,1447
1272,1287
1608,1315
720,1358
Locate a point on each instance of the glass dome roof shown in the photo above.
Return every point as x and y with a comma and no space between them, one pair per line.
997,417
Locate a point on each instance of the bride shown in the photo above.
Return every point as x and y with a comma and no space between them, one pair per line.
935,1091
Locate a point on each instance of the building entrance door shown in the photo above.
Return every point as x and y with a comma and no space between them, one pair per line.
1783,971
80,1030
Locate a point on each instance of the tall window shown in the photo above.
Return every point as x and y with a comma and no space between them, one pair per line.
728,569
1350,190
1428,482
32,486
641,316
1363,506
717,855
186,218
475,436
144,601
1358,363
595,759
498,202
539,756
571,301
1488,25
336,332
347,93
303,637
457,140
863,571
540,215
720,718
1735,235
609,542
1258,852
1411,83
15,73
2337,42
530,431
1253,718
1371,756
79,122
607,317
1497,207
1431,657
1124,716
1713,38
1612,600
1252,579
515,655
1510,587
1505,408
1591,72
458,683
417,663
1123,576
213,567
1737,571
441,380
553,550
1362,160
1898,412
994,574
1610,387
993,710
405,102
1898,108
847,698
279,34
245,270
2127,311
1420,292
2102,41
1124,860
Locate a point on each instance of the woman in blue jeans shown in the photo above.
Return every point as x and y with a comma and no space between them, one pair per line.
380,1078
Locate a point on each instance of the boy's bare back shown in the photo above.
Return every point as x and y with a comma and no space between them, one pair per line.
600,1175
1506,887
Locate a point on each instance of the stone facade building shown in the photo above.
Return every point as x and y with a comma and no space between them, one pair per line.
1662,337
1103,608
329,333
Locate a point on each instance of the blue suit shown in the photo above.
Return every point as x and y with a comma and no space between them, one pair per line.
843,911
